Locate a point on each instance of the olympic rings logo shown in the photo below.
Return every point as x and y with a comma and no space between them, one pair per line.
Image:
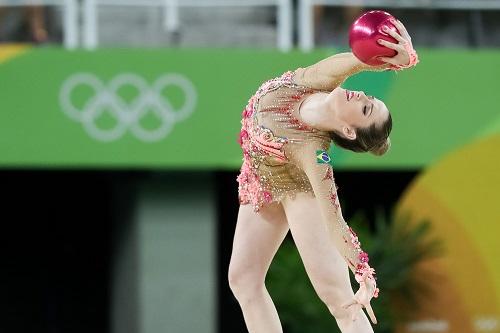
106,98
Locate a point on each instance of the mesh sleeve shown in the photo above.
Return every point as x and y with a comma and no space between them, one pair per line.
331,72
314,161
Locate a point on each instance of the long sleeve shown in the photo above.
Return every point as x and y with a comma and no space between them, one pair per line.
331,72
313,159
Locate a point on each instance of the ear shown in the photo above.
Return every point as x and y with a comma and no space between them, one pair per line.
349,132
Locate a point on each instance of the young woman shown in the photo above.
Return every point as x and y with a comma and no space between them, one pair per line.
287,183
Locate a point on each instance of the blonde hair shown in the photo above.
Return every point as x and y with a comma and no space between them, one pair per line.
374,139
382,148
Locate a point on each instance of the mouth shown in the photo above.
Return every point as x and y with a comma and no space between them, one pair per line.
349,94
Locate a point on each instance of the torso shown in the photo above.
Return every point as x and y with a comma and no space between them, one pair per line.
272,131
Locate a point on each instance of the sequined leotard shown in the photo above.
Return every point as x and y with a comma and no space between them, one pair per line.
283,156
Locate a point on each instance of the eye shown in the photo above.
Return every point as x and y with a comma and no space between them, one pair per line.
364,110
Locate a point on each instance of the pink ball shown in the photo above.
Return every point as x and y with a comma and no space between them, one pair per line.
365,32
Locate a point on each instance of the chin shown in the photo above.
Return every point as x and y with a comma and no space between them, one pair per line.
337,97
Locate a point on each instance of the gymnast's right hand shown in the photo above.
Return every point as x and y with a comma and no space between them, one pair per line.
367,290
406,55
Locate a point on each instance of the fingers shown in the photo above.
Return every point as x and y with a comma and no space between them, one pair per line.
370,312
394,34
388,60
354,306
402,29
390,45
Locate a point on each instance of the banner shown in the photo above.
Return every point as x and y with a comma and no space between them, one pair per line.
459,196
181,108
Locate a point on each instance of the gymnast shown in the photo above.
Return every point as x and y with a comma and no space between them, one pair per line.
286,182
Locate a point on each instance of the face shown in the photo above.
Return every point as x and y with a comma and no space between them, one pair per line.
356,109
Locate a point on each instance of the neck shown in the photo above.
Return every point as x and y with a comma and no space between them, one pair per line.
316,112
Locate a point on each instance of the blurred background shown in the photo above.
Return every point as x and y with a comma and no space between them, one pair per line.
119,122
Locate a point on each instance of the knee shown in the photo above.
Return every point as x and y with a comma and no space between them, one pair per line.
244,281
334,298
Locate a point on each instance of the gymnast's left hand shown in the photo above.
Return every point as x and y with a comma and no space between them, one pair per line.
403,47
367,290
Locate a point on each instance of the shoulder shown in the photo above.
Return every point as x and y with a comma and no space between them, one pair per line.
308,149
299,77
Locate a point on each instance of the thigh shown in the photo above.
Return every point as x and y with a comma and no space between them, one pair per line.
257,238
324,264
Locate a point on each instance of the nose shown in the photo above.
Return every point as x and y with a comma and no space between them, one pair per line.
361,93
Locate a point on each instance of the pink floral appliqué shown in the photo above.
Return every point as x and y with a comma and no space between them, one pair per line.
248,184
257,143
363,269
243,137
333,197
269,144
248,110
354,239
363,257
329,174
268,197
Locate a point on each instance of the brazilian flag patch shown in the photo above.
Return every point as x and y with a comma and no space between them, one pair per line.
322,157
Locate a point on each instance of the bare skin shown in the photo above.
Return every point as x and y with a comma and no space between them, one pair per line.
325,267
256,240
342,111
259,235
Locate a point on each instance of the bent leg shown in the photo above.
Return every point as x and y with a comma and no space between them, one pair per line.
256,241
326,268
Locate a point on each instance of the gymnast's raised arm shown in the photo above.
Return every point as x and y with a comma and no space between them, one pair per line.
332,71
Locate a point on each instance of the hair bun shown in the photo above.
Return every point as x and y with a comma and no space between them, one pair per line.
381,149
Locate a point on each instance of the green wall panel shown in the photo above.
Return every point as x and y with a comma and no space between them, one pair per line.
181,108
